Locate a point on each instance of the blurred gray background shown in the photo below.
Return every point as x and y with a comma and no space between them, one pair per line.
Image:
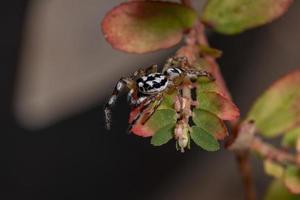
57,73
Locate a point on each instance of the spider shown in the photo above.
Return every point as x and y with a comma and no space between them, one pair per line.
148,86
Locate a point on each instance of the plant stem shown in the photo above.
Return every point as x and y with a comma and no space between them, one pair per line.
241,137
268,151
191,50
243,160
187,3
215,69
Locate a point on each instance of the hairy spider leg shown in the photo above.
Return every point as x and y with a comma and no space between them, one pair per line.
178,62
151,69
154,99
152,111
145,105
129,83
130,98
183,64
135,98
194,74
142,72
138,73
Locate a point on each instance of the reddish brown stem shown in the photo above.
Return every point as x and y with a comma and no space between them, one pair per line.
240,141
268,151
187,3
215,69
243,160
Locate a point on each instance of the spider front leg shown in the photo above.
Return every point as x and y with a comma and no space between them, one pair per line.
159,100
121,84
144,106
194,74
142,72
135,98
179,62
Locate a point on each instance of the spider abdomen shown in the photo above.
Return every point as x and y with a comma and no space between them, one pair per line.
152,83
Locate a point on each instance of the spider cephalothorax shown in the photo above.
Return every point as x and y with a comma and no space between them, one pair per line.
148,86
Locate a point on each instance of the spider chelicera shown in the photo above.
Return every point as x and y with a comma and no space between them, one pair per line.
148,86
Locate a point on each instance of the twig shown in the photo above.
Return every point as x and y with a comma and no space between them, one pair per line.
187,3
191,50
268,151
185,101
215,69
243,160
240,141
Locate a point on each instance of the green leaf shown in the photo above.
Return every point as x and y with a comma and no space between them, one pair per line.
273,169
204,139
168,101
144,26
278,109
217,104
277,191
290,138
210,123
209,87
292,179
161,118
235,16
163,135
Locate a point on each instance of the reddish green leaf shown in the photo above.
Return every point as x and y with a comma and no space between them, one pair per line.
235,16
217,104
204,139
206,50
213,86
273,169
213,95
278,109
208,87
292,179
158,120
144,26
277,191
290,138
210,123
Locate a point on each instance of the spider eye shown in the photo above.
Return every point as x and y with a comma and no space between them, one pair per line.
173,72
140,84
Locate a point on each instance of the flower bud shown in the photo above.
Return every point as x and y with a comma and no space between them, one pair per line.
181,135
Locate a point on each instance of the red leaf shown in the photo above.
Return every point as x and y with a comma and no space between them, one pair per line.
144,26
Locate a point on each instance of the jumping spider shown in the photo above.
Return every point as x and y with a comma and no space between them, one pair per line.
148,86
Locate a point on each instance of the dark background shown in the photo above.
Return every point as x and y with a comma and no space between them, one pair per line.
77,159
